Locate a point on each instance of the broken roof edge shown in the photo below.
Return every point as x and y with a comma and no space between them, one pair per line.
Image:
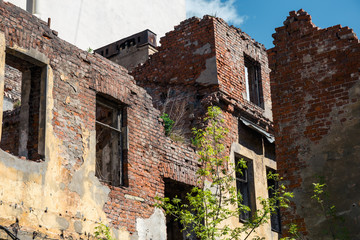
345,33
219,20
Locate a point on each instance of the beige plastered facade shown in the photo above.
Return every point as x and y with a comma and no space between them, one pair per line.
260,164
45,196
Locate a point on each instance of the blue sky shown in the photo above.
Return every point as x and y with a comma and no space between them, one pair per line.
259,18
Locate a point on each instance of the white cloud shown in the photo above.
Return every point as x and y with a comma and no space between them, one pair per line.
224,9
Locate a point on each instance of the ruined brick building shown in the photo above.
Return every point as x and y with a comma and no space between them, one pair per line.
315,86
85,144
82,142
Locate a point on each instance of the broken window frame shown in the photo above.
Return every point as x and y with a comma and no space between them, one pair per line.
119,142
275,217
253,81
246,187
31,149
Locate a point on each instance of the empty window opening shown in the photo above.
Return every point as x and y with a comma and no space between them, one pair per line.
249,138
269,149
174,228
272,188
110,141
245,187
23,130
253,84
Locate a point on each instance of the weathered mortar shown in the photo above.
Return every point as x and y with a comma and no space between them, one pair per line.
63,197
202,63
60,196
315,87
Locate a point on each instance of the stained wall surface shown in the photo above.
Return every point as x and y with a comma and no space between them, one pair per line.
203,60
58,195
202,63
315,84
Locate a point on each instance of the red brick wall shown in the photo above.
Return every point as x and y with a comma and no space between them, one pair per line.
78,76
10,134
232,45
12,86
173,71
315,88
202,62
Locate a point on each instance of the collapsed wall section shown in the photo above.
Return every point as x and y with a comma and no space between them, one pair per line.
203,61
315,84
180,75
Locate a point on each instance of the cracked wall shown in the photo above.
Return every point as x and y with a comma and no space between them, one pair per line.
59,195
202,63
315,85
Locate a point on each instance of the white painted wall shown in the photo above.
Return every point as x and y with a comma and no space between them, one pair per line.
95,23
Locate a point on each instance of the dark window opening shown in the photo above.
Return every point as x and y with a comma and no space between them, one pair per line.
110,141
253,82
23,130
274,216
245,187
250,138
173,227
269,149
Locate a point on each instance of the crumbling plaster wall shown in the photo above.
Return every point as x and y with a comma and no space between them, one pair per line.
60,196
315,82
256,152
37,194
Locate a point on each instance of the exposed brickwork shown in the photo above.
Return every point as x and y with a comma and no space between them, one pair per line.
78,77
12,86
232,45
315,82
202,61
180,61
10,134
189,62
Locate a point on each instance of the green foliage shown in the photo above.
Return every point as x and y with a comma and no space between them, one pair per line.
168,123
294,233
90,50
334,222
318,192
17,104
102,232
215,198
